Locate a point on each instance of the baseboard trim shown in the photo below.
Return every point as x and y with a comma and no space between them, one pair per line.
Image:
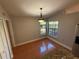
69,48
65,46
29,41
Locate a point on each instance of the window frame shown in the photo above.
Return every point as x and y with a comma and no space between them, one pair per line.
45,29
54,31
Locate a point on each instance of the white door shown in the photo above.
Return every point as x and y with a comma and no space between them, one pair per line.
4,47
2,54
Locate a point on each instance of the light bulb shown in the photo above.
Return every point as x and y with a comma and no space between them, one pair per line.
40,21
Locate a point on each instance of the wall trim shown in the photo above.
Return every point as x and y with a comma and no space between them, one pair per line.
20,44
11,32
65,46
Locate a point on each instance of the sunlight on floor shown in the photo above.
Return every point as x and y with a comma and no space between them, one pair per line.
45,47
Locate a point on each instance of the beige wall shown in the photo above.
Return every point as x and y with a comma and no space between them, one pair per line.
3,14
67,25
25,29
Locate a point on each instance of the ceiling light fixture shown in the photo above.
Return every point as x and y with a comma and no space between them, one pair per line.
41,19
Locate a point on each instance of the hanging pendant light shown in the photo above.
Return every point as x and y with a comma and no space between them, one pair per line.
41,19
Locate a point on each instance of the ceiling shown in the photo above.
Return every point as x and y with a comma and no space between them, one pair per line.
72,9
32,7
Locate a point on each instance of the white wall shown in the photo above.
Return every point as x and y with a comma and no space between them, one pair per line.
67,25
25,29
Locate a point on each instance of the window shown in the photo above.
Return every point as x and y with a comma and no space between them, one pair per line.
43,28
53,28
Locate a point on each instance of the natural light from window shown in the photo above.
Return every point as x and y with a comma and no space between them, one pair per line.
45,47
